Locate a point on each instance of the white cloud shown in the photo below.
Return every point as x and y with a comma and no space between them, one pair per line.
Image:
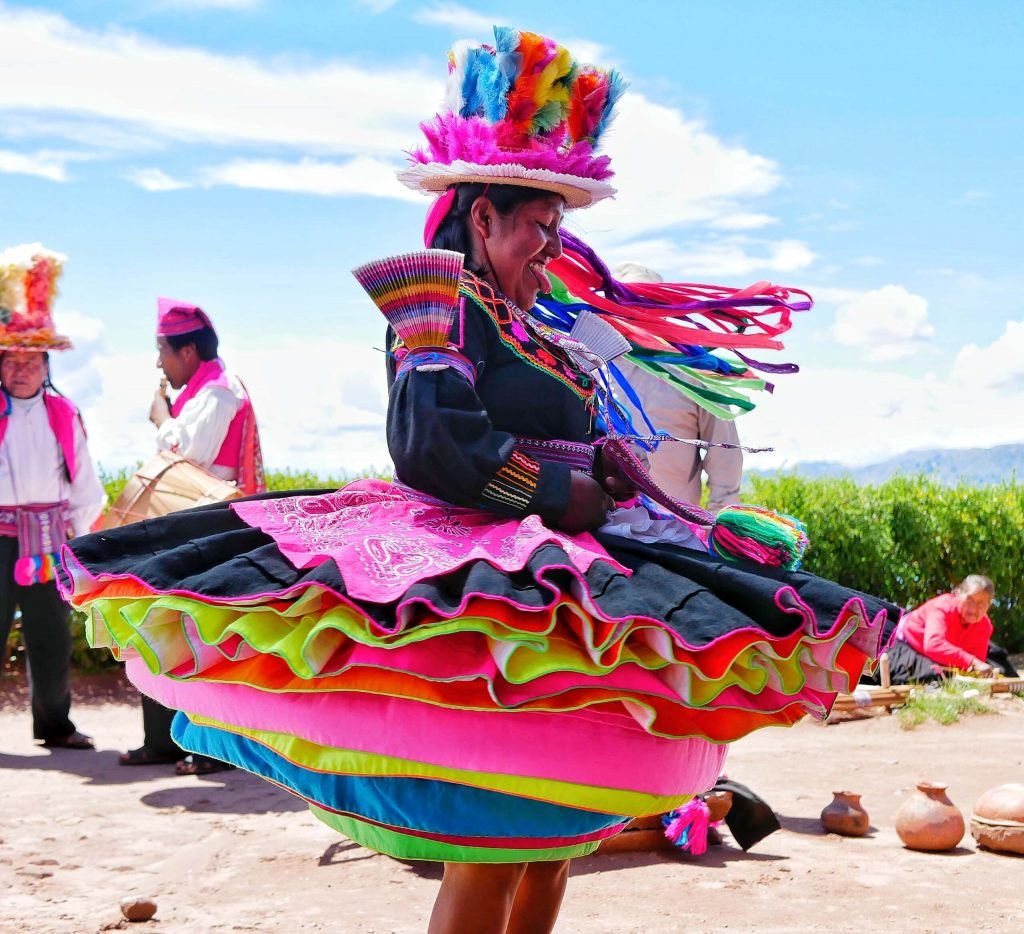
696,177
330,419
83,131
998,366
589,52
156,180
460,18
833,294
742,221
889,323
51,67
330,416
811,417
122,86
40,164
360,176
732,257
74,371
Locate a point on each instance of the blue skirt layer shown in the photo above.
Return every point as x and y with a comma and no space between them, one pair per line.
425,804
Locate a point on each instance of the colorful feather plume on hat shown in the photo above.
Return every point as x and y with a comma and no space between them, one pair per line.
417,292
28,287
523,104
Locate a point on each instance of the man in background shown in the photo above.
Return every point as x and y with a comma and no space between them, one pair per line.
211,423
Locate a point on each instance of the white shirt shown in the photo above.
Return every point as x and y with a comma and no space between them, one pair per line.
202,425
32,466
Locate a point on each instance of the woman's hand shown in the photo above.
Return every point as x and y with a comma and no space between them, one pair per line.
979,667
588,507
610,476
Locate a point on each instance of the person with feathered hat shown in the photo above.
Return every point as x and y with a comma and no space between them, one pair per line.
502,657
49,490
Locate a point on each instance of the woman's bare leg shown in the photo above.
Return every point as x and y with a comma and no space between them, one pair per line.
538,898
475,898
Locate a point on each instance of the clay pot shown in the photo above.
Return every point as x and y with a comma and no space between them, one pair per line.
998,819
845,815
928,820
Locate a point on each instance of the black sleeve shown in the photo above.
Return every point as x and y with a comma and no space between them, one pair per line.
442,441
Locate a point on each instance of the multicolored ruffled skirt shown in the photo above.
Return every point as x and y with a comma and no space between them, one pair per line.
442,683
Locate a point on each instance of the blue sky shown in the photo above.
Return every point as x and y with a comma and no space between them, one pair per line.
240,154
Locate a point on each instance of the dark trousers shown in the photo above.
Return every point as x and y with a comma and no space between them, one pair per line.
156,724
908,666
46,632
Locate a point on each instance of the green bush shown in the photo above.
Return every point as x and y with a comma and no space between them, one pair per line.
910,538
286,479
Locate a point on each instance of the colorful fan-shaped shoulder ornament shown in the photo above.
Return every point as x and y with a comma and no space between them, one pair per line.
417,292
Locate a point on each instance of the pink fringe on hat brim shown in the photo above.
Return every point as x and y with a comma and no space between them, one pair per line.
468,149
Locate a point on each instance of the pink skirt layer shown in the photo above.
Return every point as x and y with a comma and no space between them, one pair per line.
565,746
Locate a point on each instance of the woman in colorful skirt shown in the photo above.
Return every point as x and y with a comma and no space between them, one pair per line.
502,657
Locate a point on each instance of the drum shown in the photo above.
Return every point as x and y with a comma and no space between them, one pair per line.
166,484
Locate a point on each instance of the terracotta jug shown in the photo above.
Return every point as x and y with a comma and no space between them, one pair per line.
928,820
845,815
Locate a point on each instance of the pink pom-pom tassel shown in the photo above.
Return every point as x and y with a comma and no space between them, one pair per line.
687,827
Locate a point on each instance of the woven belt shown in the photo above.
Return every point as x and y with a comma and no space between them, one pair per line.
574,454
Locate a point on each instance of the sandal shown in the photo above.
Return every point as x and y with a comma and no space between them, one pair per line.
201,765
74,740
145,756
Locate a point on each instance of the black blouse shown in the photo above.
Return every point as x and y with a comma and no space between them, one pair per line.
454,440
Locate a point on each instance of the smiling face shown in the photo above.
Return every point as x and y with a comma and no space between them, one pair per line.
23,372
516,247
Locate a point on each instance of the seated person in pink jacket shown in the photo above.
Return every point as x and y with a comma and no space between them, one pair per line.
948,632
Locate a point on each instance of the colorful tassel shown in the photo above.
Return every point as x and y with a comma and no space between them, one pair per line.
687,827
417,293
752,533
673,329
36,569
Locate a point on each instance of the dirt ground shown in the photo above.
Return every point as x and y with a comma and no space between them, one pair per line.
230,853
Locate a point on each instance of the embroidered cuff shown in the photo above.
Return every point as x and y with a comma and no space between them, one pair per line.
513,486
524,486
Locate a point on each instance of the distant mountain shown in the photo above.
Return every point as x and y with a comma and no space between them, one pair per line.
975,466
